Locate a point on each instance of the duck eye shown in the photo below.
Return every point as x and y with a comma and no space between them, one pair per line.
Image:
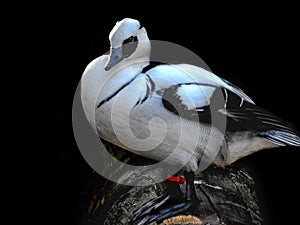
130,39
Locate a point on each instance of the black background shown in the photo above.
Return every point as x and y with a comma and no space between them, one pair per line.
253,46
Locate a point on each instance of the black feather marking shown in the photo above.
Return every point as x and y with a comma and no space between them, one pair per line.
152,84
137,102
149,90
172,102
239,117
115,93
151,65
146,95
252,117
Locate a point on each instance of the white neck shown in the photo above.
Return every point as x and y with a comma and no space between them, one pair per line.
129,67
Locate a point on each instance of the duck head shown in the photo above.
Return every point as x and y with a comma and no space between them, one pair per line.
129,41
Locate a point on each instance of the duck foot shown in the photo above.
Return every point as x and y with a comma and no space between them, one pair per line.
174,202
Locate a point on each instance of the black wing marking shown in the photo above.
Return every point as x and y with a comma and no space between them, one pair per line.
240,115
151,65
252,117
150,87
115,93
174,103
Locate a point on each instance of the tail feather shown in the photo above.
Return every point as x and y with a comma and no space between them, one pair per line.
239,92
282,138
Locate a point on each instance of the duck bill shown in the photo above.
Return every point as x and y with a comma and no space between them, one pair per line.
115,57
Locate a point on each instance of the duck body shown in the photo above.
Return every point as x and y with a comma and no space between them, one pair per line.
179,114
151,111
133,97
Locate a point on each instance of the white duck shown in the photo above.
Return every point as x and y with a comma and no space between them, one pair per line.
182,96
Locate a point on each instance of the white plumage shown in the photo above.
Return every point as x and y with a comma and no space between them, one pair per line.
121,97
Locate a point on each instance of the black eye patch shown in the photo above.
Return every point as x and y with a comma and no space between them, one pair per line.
130,39
129,46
